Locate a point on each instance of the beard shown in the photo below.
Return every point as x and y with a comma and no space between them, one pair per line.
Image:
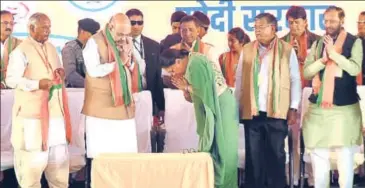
333,32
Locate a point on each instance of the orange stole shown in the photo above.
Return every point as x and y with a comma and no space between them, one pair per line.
325,88
45,112
302,54
228,62
359,79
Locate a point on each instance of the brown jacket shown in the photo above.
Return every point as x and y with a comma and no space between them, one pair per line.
284,87
98,100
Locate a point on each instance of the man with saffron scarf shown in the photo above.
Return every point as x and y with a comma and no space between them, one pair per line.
299,36
189,29
268,89
41,119
333,121
8,43
109,85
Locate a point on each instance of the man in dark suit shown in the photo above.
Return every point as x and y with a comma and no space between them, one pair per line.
146,52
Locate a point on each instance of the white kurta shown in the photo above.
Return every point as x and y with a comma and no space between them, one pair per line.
3,47
30,162
105,135
14,79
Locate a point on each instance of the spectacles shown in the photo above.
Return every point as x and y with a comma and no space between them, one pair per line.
8,23
361,22
330,21
137,22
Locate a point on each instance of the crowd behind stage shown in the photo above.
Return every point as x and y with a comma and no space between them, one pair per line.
257,82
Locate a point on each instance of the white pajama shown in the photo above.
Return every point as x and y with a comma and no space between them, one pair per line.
30,161
110,136
321,166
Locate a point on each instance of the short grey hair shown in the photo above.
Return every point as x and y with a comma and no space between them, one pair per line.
35,18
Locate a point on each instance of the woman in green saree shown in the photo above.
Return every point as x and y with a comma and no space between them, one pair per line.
215,107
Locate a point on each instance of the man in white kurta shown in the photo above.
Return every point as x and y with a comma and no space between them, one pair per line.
110,128
31,71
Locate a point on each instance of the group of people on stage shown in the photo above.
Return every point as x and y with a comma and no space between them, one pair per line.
258,83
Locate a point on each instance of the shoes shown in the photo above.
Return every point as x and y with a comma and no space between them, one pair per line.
161,134
153,135
158,134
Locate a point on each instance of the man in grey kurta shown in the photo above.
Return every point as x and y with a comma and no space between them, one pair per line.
72,58
333,120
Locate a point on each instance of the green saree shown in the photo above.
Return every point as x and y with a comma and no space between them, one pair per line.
217,119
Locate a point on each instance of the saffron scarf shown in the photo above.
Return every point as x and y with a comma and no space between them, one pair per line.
5,58
325,87
198,46
118,78
301,53
228,64
47,96
274,52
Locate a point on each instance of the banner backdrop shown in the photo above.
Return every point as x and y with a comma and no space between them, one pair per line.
224,15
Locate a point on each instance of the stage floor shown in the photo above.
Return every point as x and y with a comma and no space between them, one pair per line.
10,182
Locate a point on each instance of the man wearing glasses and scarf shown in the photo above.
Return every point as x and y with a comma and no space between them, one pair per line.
333,120
8,43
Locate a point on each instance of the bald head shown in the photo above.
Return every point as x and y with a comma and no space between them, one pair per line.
120,18
39,27
120,27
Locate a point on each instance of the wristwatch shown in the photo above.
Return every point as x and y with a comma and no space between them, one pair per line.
295,110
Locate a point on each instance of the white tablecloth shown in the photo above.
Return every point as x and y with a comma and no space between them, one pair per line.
77,148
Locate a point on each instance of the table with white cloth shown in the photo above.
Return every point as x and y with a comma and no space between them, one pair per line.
162,170
143,118
359,155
